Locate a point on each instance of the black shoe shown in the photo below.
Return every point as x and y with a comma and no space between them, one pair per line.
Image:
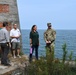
7,64
2,63
8,61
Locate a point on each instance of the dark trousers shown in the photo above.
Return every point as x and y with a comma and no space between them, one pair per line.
34,47
4,53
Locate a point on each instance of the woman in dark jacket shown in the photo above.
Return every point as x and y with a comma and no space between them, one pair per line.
34,41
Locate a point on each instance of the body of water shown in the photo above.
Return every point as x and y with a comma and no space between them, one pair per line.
62,36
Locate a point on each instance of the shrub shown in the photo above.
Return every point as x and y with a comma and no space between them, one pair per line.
50,66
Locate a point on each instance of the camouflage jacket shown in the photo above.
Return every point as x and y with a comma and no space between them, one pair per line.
49,35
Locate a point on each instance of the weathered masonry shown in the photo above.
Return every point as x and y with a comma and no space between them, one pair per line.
9,11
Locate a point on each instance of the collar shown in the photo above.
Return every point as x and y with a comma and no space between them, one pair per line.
0,28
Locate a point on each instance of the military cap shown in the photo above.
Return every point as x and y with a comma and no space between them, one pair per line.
49,24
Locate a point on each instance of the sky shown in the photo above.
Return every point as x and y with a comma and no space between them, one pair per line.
60,13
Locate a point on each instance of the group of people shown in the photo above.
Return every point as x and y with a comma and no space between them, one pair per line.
9,38
49,37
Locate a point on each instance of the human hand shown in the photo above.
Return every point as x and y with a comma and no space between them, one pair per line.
47,42
31,45
17,37
9,45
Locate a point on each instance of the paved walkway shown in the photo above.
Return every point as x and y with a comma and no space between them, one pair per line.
15,64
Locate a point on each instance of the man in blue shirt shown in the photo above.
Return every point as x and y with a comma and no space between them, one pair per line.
4,44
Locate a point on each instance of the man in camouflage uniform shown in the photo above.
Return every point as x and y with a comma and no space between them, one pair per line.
49,37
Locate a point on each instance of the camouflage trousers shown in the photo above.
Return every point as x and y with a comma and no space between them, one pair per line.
49,48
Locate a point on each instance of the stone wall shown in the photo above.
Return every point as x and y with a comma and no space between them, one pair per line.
11,16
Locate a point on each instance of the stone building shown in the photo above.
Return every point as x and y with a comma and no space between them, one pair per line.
9,12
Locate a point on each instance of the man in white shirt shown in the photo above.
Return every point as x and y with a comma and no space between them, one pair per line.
15,35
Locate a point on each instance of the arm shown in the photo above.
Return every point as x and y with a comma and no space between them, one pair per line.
45,37
30,39
14,36
19,32
7,36
11,34
54,35
38,42
38,39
